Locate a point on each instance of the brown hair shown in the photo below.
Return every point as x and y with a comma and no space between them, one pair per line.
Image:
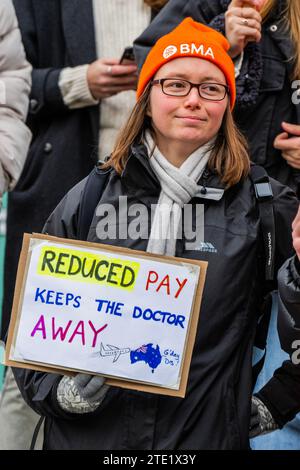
266,9
156,4
292,18
229,156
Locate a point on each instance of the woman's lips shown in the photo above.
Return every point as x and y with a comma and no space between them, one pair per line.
191,118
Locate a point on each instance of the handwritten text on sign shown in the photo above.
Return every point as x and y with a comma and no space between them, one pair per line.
97,311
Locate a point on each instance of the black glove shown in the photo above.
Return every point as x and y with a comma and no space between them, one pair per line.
261,421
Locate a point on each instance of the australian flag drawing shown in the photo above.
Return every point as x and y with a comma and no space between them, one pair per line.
148,354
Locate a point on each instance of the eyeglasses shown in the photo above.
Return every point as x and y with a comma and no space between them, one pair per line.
178,87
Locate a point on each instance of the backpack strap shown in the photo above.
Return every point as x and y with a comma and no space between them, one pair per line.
93,190
36,432
264,196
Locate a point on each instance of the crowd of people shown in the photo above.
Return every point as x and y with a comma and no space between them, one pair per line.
207,113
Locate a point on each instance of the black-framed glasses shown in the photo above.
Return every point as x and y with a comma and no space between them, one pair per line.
178,87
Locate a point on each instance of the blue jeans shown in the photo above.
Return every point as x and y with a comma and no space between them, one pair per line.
287,438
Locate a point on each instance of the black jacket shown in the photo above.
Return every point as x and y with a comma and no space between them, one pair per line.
289,299
215,412
264,90
289,334
64,149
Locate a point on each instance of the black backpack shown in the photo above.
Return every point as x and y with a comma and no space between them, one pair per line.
97,181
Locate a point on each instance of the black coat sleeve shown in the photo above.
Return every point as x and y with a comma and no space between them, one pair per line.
45,97
63,222
285,209
289,307
38,390
282,393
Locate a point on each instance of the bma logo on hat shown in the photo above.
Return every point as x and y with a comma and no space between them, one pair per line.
169,51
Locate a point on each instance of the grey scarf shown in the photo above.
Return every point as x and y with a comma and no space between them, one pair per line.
178,187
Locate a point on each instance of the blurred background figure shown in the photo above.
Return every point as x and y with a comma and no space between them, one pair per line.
265,41
15,82
77,106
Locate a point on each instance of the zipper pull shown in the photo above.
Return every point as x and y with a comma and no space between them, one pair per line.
205,175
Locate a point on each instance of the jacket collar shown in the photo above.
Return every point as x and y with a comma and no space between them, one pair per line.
138,176
79,31
278,9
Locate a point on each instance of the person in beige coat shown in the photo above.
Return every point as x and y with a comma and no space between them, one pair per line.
15,83
15,136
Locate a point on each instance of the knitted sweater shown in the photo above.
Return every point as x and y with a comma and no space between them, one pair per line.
116,26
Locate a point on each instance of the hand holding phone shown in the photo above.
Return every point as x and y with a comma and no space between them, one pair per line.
107,77
242,25
127,56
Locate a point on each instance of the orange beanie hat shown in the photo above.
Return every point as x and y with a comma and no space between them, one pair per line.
190,39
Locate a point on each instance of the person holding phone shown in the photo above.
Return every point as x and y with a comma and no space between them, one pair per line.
15,83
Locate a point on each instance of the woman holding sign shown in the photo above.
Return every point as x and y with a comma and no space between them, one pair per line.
180,148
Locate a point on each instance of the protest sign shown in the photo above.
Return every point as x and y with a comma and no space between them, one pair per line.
100,309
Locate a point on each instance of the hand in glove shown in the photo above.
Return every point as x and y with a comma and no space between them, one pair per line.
82,393
261,421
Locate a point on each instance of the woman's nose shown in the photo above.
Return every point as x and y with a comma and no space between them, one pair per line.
193,98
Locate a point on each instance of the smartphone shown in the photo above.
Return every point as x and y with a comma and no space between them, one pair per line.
127,56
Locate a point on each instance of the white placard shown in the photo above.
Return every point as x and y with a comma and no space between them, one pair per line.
108,313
